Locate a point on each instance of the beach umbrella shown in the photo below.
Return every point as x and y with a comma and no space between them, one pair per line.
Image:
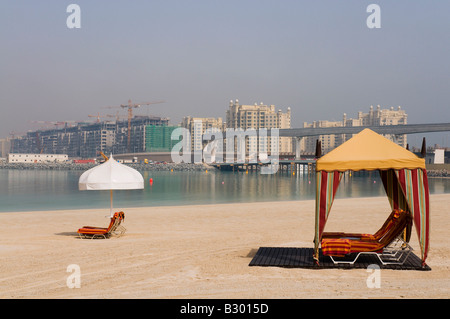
111,175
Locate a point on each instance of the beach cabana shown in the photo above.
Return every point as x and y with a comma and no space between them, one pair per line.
403,175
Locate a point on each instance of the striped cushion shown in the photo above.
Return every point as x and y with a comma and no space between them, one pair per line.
368,237
92,231
336,247
340,247
343,246
393,217
338,235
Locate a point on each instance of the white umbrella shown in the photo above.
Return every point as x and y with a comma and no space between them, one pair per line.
111,175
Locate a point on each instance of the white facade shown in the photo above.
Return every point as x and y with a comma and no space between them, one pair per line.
260,117
37,158
439,156
197,126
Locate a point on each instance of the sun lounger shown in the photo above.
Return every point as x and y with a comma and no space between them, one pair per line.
389,248
114,228
380,233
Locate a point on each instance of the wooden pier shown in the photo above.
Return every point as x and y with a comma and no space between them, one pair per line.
291,166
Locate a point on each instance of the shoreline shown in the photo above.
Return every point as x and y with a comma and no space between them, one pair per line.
84,166
203,251
174,206
432,173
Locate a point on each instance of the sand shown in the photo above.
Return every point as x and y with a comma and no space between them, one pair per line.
204,252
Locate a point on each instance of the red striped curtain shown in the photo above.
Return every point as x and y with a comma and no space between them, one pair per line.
327,184
408,189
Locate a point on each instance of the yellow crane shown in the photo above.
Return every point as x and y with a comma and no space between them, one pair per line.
130,106
104,156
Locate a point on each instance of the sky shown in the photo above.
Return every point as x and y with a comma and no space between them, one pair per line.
319,58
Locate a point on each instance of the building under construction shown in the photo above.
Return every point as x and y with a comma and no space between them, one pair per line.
159,138
86,140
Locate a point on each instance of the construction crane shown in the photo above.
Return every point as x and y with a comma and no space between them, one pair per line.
38,143
54,123
97,116
130,106
117,116
104,156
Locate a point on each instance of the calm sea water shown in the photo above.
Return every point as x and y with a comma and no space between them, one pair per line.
31,190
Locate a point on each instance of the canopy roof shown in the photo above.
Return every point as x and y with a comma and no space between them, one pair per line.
111,175
368,150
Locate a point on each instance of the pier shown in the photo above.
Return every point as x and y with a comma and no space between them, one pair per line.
286,165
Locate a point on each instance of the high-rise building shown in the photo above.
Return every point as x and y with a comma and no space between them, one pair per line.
260,116
158,138
376,117
329,142
381,117
197,126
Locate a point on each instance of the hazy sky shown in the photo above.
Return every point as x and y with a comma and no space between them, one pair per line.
317,57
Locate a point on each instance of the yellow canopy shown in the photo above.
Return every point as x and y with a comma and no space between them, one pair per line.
368,150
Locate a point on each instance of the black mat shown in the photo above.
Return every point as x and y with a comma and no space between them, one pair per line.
302,258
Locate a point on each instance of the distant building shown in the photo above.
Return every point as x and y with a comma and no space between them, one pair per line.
378,117
138,127
258,117
329,142
158,138
197,126
5,146
37,158
439,156
86,140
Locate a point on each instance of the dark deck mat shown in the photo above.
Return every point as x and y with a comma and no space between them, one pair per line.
302,258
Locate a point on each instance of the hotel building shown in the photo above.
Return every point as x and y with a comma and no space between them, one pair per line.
376,117
259,116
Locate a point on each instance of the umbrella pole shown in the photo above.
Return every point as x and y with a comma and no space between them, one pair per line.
111,209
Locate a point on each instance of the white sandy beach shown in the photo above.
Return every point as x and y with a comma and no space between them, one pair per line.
204,252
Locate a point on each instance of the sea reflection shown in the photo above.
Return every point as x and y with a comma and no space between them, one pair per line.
30,190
